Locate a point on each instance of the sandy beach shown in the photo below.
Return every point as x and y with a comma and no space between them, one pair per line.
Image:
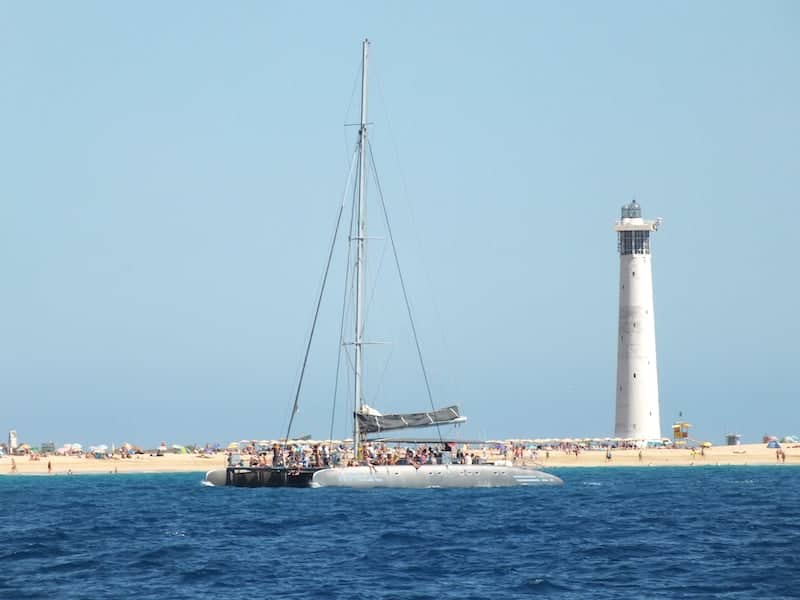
746,454
66,465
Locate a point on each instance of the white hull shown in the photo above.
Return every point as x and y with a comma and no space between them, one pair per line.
215,477
433,476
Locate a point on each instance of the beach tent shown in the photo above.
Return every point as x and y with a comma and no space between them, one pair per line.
773,444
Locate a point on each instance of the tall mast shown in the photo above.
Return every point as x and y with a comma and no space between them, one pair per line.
360,245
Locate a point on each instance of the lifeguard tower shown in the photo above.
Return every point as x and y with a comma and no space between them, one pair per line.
733,439
680,433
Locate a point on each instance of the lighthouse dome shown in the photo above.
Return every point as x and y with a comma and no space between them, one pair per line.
632,211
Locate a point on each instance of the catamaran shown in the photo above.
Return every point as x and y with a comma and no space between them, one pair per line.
362,472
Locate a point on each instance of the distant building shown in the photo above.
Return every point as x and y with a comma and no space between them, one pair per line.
12,440
637,413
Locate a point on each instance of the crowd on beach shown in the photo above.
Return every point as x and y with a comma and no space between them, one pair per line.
303,454
25,452
329,452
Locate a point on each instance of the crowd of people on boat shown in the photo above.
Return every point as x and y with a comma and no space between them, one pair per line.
300,455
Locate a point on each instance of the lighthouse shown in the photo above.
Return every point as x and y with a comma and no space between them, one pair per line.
637,415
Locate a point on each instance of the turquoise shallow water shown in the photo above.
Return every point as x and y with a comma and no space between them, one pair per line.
708,532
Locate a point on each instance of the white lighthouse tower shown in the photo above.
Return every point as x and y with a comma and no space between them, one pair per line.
637,375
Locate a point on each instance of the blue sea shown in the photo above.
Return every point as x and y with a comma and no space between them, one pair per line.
703,532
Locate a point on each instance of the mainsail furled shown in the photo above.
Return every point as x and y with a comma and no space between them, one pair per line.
371,421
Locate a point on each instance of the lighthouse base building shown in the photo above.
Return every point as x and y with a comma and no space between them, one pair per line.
637,413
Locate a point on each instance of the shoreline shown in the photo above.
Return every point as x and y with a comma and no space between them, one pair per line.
721,456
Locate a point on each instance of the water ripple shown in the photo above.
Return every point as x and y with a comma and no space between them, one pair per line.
727,532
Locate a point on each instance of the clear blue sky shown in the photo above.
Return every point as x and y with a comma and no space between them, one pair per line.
170,174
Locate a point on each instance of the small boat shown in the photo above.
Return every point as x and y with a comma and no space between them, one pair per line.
436,469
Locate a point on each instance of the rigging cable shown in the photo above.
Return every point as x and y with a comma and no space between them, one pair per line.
347,110
316,311
344,313
403,287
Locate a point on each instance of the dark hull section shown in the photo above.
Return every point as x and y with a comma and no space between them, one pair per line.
268,477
